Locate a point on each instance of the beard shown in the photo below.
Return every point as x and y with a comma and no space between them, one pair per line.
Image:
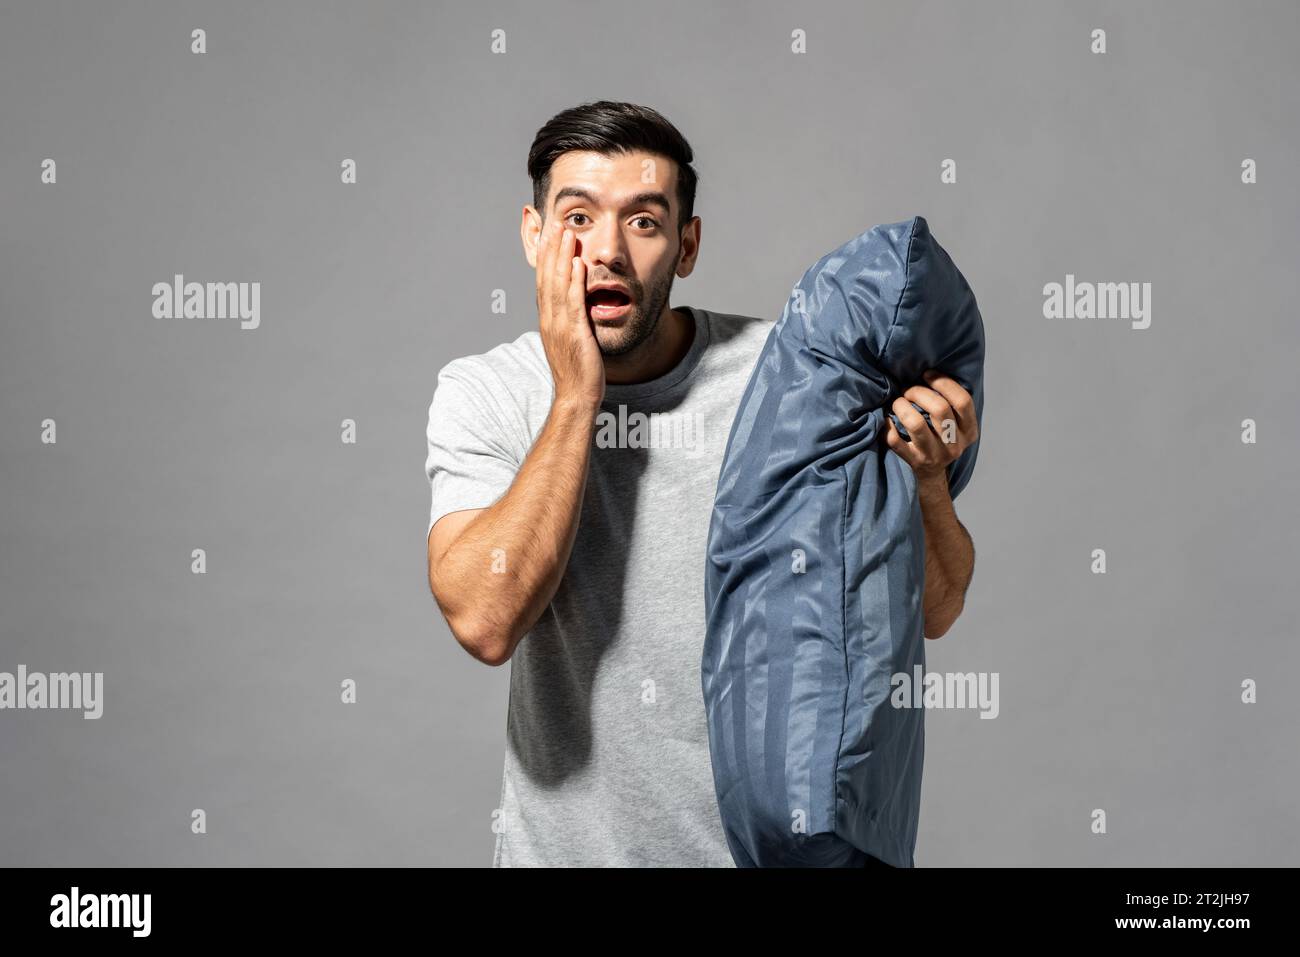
648,301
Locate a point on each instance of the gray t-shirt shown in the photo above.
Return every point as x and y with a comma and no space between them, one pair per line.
607,750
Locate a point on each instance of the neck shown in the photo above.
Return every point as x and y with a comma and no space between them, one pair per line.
666,347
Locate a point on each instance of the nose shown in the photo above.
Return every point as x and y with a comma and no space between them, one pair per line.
603,244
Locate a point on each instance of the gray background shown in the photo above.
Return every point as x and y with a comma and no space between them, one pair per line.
1119,691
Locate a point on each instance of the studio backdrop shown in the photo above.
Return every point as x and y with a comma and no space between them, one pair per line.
224,517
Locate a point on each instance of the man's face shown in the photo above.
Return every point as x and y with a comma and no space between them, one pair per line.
623,211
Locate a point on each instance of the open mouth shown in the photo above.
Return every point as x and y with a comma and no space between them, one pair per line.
607,304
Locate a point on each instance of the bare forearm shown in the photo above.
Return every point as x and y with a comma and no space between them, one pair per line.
949,557
504,568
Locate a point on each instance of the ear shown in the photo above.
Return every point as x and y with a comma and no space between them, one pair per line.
690,248
530,233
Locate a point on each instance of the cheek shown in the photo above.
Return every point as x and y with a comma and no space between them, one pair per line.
653,264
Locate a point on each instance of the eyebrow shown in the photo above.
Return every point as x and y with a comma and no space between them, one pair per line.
649,197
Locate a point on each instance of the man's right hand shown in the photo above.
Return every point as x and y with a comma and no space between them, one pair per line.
495,570
567,337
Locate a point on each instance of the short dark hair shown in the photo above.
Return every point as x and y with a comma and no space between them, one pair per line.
608,127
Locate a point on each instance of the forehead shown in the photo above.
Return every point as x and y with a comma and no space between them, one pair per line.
613,178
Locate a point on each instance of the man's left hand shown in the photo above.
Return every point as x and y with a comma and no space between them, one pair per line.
952,412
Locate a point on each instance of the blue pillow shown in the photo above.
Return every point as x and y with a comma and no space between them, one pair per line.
816,559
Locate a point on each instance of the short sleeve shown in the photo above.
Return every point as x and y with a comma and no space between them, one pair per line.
470,461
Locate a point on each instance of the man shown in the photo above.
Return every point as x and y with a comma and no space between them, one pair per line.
573,472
